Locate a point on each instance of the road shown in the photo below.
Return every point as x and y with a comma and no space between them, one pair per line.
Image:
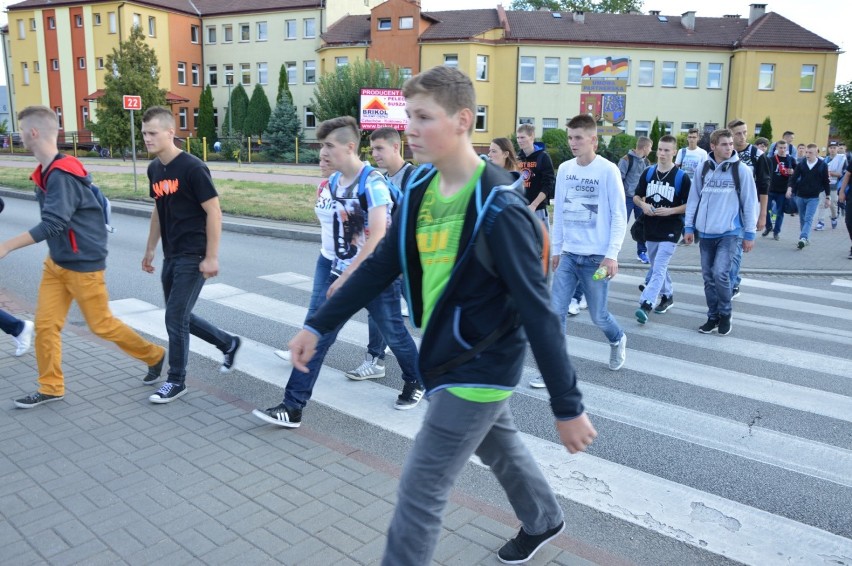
712,449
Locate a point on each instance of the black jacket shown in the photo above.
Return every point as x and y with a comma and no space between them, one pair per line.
474,303
809,182
538,175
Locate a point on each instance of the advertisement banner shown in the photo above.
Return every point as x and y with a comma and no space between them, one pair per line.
382,108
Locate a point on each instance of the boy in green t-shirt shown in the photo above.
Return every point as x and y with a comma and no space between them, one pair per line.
475,319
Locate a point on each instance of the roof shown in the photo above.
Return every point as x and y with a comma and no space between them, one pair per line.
348,30
776,31
460,24
185,6
195,7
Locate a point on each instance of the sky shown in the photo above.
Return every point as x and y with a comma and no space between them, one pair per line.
827,18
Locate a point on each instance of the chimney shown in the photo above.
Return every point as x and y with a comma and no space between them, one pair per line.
755,12
687,19
579,16
654,12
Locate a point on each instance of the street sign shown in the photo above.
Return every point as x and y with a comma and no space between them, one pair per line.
609,131
132,102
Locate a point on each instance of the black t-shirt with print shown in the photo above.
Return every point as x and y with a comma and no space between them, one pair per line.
661,193
178,189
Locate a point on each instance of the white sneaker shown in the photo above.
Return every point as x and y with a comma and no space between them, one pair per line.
574,308
370,368
24,340
403,306
618,353
537,383
583,304
283,354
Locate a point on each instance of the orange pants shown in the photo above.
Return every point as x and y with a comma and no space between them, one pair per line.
59,286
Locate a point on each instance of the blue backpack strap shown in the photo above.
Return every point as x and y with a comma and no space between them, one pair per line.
678,180
650,173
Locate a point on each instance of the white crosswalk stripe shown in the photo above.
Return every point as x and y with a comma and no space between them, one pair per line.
717,524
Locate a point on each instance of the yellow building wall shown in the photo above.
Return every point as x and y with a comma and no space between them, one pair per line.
327,56
27,50
102,44
159,43
788,107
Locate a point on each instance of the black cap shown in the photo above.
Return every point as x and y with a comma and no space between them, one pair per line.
831,143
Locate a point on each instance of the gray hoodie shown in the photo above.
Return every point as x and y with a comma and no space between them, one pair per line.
713,209
631,171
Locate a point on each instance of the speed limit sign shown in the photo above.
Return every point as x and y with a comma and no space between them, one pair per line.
132,102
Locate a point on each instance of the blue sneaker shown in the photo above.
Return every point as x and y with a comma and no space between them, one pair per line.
820,226
643,257
642,313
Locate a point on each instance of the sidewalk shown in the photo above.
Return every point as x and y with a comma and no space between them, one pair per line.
104,477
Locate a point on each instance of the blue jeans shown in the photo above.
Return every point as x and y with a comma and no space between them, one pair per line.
321,272
452,431
182,283
807,211
578,269
637,212
776,201
716,257
736,261
10,324
376,342
385,310
659,283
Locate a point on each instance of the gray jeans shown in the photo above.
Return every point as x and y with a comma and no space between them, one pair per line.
453,430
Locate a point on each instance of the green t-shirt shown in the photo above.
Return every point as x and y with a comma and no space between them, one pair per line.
439,226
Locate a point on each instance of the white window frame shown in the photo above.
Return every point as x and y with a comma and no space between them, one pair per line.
51,22
714,73
213,75
228,71
643,128
181,73
137,21
552,64
406,22
182,118
81,62
644,67
25,73
292,68
340,62
152,26
384,24
290,29
262,31
575,70
310,65
549,124
451,60
528,63
78,20
245,32
97,18
526,120
196,74
99,63
195,118
22,30
669,72
406,73
245,74
309,28
112,22
211,32
262,73
692,72
482,67
766,69
194,34
33,24
84,114
310,119
54,64
811,72
227,29
58,110
481,115
36,67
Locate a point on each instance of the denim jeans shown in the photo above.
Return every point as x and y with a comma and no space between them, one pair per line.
182,283
578,269
660,283
10,324
385,311
637,212
777,201
320,288
716,257
452,431
807,211
736,261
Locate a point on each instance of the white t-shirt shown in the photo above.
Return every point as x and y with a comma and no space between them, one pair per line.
690,160
324,209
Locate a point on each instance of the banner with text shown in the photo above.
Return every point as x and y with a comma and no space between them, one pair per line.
382,108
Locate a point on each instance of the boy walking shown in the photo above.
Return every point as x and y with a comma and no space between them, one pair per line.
536,170
631,167
474,336
188,219
72,223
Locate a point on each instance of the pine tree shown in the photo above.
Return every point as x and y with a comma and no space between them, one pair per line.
257,115
283,86
283,129
766,129
206,125
656,134
236,114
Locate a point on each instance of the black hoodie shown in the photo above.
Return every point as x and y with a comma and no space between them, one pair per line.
537,173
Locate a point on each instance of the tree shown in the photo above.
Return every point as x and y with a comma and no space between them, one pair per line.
137,72
602,6
839,114
283,86
556,142
236,114
206,124
283,129
620,144
656,134
766,129
257,115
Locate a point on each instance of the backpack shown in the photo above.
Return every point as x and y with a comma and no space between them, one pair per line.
630,158
678,177
735,173
103,201
681,155
395,193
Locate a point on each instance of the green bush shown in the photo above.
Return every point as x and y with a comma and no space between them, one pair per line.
622,143
556,143
681,140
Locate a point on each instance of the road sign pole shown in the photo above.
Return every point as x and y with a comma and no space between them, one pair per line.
133,147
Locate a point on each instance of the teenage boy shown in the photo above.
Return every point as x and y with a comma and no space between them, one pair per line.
662,193
783,166
808,183
72,223
536,170
722,214
188,219
788,137
357,234
465,309
385,145
631,167
692,157
836,161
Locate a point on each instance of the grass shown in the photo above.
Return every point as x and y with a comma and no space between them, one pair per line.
275,201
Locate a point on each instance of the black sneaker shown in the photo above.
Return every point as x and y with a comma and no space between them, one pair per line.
36,399
724,325
524,546
666,302
709,326
641,287
766,231
411,395
154,371
231,355
735,292
280,416
168,392
642,312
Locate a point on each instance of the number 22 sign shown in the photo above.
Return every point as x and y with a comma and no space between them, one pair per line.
132,102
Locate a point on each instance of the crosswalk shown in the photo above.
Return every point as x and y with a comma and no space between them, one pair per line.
769,408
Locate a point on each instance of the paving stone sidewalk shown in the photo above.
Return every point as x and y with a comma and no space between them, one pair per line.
104,477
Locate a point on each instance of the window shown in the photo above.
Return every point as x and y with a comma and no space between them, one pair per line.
290,29
310,72
54,64
262,31
22,31
291,72
215,117
481,119
341,61
262,73
36,67
482,67
137,20
99,62
808,78
527,69
406,22
153,71
182,118
245,32
25,73
406,73
575,70
112,21
310,119
152,26
757,128
81,62
245,74
181,78
690,75
196,74
551,69
669,74
195,118
643,127
714,75
212,75
51,22
115,70
451,61
310,28
384,24
227,33
84,113
686,126
549,124
211,34
33,24
97,19
766,79
646,73
58,111
530,121
666,128
78,21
